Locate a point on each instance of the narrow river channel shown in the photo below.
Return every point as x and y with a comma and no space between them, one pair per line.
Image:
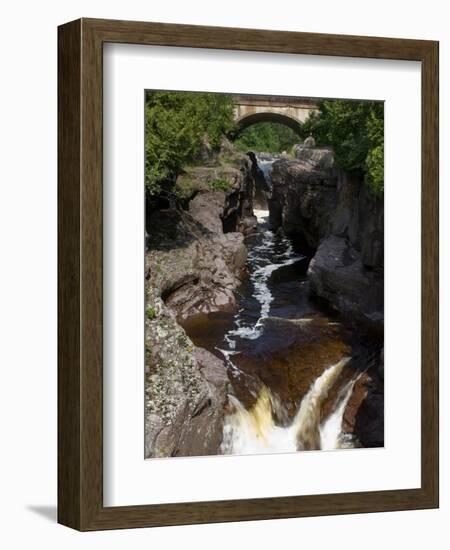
290,362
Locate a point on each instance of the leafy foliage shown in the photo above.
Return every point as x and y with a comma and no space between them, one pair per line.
151,313
270,137
187,184
355,130
176,123
219,184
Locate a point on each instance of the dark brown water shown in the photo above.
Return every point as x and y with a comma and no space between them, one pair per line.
291,363
279,337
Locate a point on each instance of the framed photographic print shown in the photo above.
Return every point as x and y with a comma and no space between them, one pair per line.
248,274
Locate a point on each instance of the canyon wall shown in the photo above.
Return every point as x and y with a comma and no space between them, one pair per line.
195,259
341,221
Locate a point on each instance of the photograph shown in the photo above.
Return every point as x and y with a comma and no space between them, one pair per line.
225,273
264,274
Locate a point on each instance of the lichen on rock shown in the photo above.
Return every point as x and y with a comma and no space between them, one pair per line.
195,259
179,390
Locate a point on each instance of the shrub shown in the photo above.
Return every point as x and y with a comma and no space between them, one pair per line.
355,130
219,184
151,313
269,137
175,125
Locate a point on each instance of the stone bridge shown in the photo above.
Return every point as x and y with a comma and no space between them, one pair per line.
292,111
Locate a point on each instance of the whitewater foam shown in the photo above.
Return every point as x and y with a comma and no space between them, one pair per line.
255,431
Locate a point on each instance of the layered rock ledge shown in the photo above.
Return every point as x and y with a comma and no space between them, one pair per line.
341,222
186,391
195,259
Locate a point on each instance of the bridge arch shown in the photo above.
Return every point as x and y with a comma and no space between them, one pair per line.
291,111
268,116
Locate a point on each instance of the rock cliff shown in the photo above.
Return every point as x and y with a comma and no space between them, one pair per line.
341,221
195,258
304,195
186,390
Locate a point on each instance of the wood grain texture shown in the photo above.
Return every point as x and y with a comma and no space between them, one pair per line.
430,273
80,397
69,245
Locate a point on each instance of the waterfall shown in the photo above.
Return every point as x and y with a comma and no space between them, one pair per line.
256,431
263,182
331,435
307,420
259,429
265,165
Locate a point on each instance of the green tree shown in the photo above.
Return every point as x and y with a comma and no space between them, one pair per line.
355,130
375,156
175,125
269,137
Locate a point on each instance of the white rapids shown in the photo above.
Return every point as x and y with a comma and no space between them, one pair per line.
331,434
255,431
260,277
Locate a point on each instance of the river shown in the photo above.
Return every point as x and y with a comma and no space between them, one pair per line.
289,360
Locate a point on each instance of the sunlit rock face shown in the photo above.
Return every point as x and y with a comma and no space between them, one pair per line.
341,222
186,390
195,259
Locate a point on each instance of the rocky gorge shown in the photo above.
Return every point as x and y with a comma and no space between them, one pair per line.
342,224
251,320
195,259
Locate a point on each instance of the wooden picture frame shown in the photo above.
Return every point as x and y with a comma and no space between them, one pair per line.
80,272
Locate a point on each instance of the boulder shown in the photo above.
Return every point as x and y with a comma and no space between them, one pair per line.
207,209
364,412
337,274
186,391
303,199
195,271
321,158
309,142
202,434
341,224
220,193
